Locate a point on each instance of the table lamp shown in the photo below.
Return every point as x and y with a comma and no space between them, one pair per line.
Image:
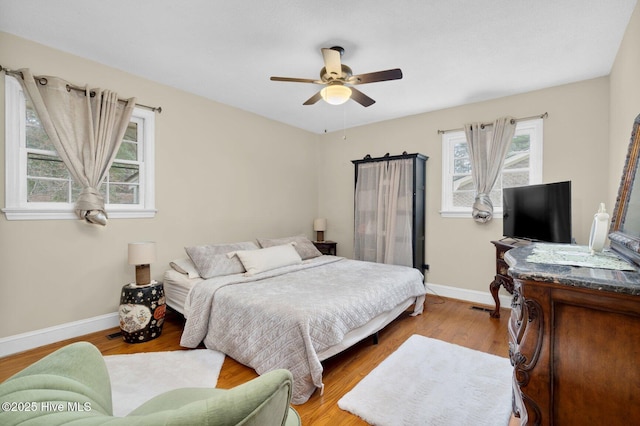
320,225
142,254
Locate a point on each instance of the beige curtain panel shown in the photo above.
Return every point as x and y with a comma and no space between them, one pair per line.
488,147
86,127
383,212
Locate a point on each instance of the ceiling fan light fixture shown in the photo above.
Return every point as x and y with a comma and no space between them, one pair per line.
336,94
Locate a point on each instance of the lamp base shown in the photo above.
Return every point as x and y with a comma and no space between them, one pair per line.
143,274
320,236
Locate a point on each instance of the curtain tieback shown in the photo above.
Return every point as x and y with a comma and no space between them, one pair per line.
90,206
482,208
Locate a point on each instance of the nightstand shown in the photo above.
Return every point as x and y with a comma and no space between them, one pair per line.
326,247
142,310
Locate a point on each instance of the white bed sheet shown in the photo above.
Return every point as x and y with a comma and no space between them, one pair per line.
176,288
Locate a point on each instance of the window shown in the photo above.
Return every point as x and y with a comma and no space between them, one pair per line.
39,185
522,166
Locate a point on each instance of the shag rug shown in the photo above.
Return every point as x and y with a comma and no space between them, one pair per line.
431,382
136,378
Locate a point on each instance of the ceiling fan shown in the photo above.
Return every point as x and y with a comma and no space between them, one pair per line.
339,79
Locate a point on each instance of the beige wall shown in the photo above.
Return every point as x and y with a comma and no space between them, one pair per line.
625,100
221,175
458,250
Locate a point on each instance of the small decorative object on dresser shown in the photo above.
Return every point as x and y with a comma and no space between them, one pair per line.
502,277
326,247
142,310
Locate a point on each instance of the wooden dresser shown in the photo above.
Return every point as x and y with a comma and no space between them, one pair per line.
502,278
574,337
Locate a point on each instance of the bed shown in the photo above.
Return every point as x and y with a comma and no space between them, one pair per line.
304,310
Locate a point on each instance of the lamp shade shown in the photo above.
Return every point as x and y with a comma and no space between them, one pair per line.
336,94
320,224
142,253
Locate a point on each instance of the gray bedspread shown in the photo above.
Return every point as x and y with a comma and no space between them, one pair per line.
283,318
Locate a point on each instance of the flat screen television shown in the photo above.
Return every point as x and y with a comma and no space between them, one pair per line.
538,212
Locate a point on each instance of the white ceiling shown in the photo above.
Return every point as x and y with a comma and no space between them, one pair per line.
451,52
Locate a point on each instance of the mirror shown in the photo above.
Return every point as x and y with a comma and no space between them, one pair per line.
625,223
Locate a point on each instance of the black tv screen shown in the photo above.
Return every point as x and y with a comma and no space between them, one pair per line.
538,212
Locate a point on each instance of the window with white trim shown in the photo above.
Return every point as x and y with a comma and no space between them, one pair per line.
522,166
38,184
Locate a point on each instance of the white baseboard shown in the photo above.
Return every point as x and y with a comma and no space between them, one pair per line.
475,296
33,339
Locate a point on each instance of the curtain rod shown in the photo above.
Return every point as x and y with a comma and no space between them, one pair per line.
545,115
43,81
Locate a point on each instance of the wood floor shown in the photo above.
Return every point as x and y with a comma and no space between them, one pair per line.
445,319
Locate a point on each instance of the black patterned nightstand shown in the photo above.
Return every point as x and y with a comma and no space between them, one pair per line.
142,310
326,247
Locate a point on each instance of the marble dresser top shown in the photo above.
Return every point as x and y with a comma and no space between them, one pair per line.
611,280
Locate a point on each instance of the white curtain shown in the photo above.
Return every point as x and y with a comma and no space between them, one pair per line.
488,146
383,212
86,127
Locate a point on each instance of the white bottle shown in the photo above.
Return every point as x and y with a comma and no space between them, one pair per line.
599,229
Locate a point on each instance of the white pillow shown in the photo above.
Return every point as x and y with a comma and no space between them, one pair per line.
185,266
266,259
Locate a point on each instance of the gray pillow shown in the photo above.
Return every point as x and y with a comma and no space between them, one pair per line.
211,260
303,246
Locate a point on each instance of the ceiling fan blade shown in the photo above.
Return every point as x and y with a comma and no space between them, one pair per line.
361,98
297,80
312,100
332,62
373,77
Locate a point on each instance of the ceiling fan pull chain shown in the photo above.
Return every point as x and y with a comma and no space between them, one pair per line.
344,122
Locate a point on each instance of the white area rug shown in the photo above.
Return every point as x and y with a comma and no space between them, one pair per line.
431,382
136,378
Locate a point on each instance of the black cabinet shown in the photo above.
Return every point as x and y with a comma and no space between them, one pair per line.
415,209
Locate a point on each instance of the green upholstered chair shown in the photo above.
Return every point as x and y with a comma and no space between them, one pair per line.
72,385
